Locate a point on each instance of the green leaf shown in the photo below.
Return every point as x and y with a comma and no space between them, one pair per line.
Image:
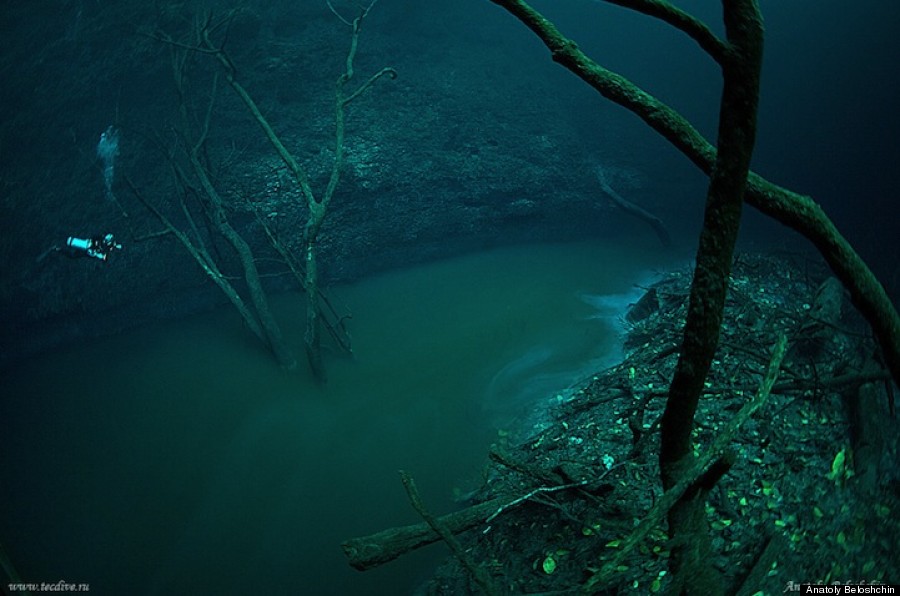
837,465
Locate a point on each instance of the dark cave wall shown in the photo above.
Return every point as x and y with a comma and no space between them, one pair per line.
462,152
481,141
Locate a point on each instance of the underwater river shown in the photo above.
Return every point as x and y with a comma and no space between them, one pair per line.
179,459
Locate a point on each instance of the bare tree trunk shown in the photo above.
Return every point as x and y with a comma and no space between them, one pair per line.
312,338
257,315
269,325
317,206
199,253
740,58
737,132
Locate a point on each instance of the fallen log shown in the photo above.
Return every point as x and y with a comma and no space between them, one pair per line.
368,552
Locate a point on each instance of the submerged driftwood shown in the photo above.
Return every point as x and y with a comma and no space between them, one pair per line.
377,549
634,210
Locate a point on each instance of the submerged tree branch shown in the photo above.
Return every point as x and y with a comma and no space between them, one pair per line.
699,469
317,206
688,528
477,572
799,212
693,27
659,228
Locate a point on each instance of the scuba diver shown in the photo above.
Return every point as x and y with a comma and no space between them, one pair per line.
99,248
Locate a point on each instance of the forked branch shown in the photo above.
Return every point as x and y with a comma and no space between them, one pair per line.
799,212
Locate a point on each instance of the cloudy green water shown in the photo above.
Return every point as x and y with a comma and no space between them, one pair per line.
180,460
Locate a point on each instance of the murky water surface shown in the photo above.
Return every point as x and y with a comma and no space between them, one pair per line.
179,459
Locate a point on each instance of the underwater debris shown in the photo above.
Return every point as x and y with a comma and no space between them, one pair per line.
776,516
